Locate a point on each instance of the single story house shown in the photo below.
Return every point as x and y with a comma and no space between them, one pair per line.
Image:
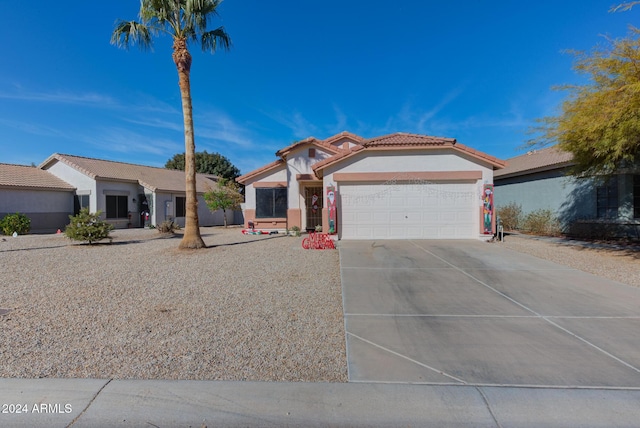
585,206
389,187
128,195
46,199
131,195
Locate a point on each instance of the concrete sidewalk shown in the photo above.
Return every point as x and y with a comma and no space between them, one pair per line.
153,403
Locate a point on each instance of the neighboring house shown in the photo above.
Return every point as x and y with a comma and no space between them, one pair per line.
125,192
390,187
539,180
44,198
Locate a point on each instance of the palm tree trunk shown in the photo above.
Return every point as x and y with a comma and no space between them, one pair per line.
182,58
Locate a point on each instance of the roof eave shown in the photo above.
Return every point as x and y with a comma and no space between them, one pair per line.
269,167
53,189
283,153
529,171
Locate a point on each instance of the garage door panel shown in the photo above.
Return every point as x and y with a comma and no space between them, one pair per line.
381,217
396,217
428,211
348,217
398,232
364,217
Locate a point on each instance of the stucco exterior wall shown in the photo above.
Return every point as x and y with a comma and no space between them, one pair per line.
272,176
84,184
205,216
344,142
408,160
47,210
249,196
299,162
114,188
568,198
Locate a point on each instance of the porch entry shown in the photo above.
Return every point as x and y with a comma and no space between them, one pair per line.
313,203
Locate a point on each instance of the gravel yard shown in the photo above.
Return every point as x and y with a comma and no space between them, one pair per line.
617,262
246,308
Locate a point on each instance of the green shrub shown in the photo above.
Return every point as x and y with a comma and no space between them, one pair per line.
542,222
295,230
510,216
168,226
19,223
88,227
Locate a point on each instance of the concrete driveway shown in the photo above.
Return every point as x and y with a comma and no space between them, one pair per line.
475,313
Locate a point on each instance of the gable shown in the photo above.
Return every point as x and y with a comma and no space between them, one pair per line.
344,140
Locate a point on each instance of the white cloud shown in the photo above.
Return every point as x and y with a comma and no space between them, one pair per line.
299,126
220,127
140,102
123,140
341,121
86,99
158,123
32,128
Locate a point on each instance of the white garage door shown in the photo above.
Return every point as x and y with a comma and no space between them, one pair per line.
408,211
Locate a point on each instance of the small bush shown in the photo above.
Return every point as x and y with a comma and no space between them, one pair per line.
168,226
510,216
295,230
88,227
19,223
542,222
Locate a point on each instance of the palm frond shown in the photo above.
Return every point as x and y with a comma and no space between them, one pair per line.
624,6
128,33
212,40
157,10
186,19
198,12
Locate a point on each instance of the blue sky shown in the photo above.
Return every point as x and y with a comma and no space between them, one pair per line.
477,71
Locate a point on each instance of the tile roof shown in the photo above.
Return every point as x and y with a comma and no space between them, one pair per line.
399,140
344,134
310,140
402,140
27,177
273,165
535,161
153,178
405,139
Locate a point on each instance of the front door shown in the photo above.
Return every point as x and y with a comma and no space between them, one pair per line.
313,204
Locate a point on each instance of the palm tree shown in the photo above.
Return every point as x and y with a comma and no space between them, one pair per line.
185,21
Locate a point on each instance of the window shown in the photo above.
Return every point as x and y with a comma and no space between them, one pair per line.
79,202
117,206
271,202
636,196
607,199
181,206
